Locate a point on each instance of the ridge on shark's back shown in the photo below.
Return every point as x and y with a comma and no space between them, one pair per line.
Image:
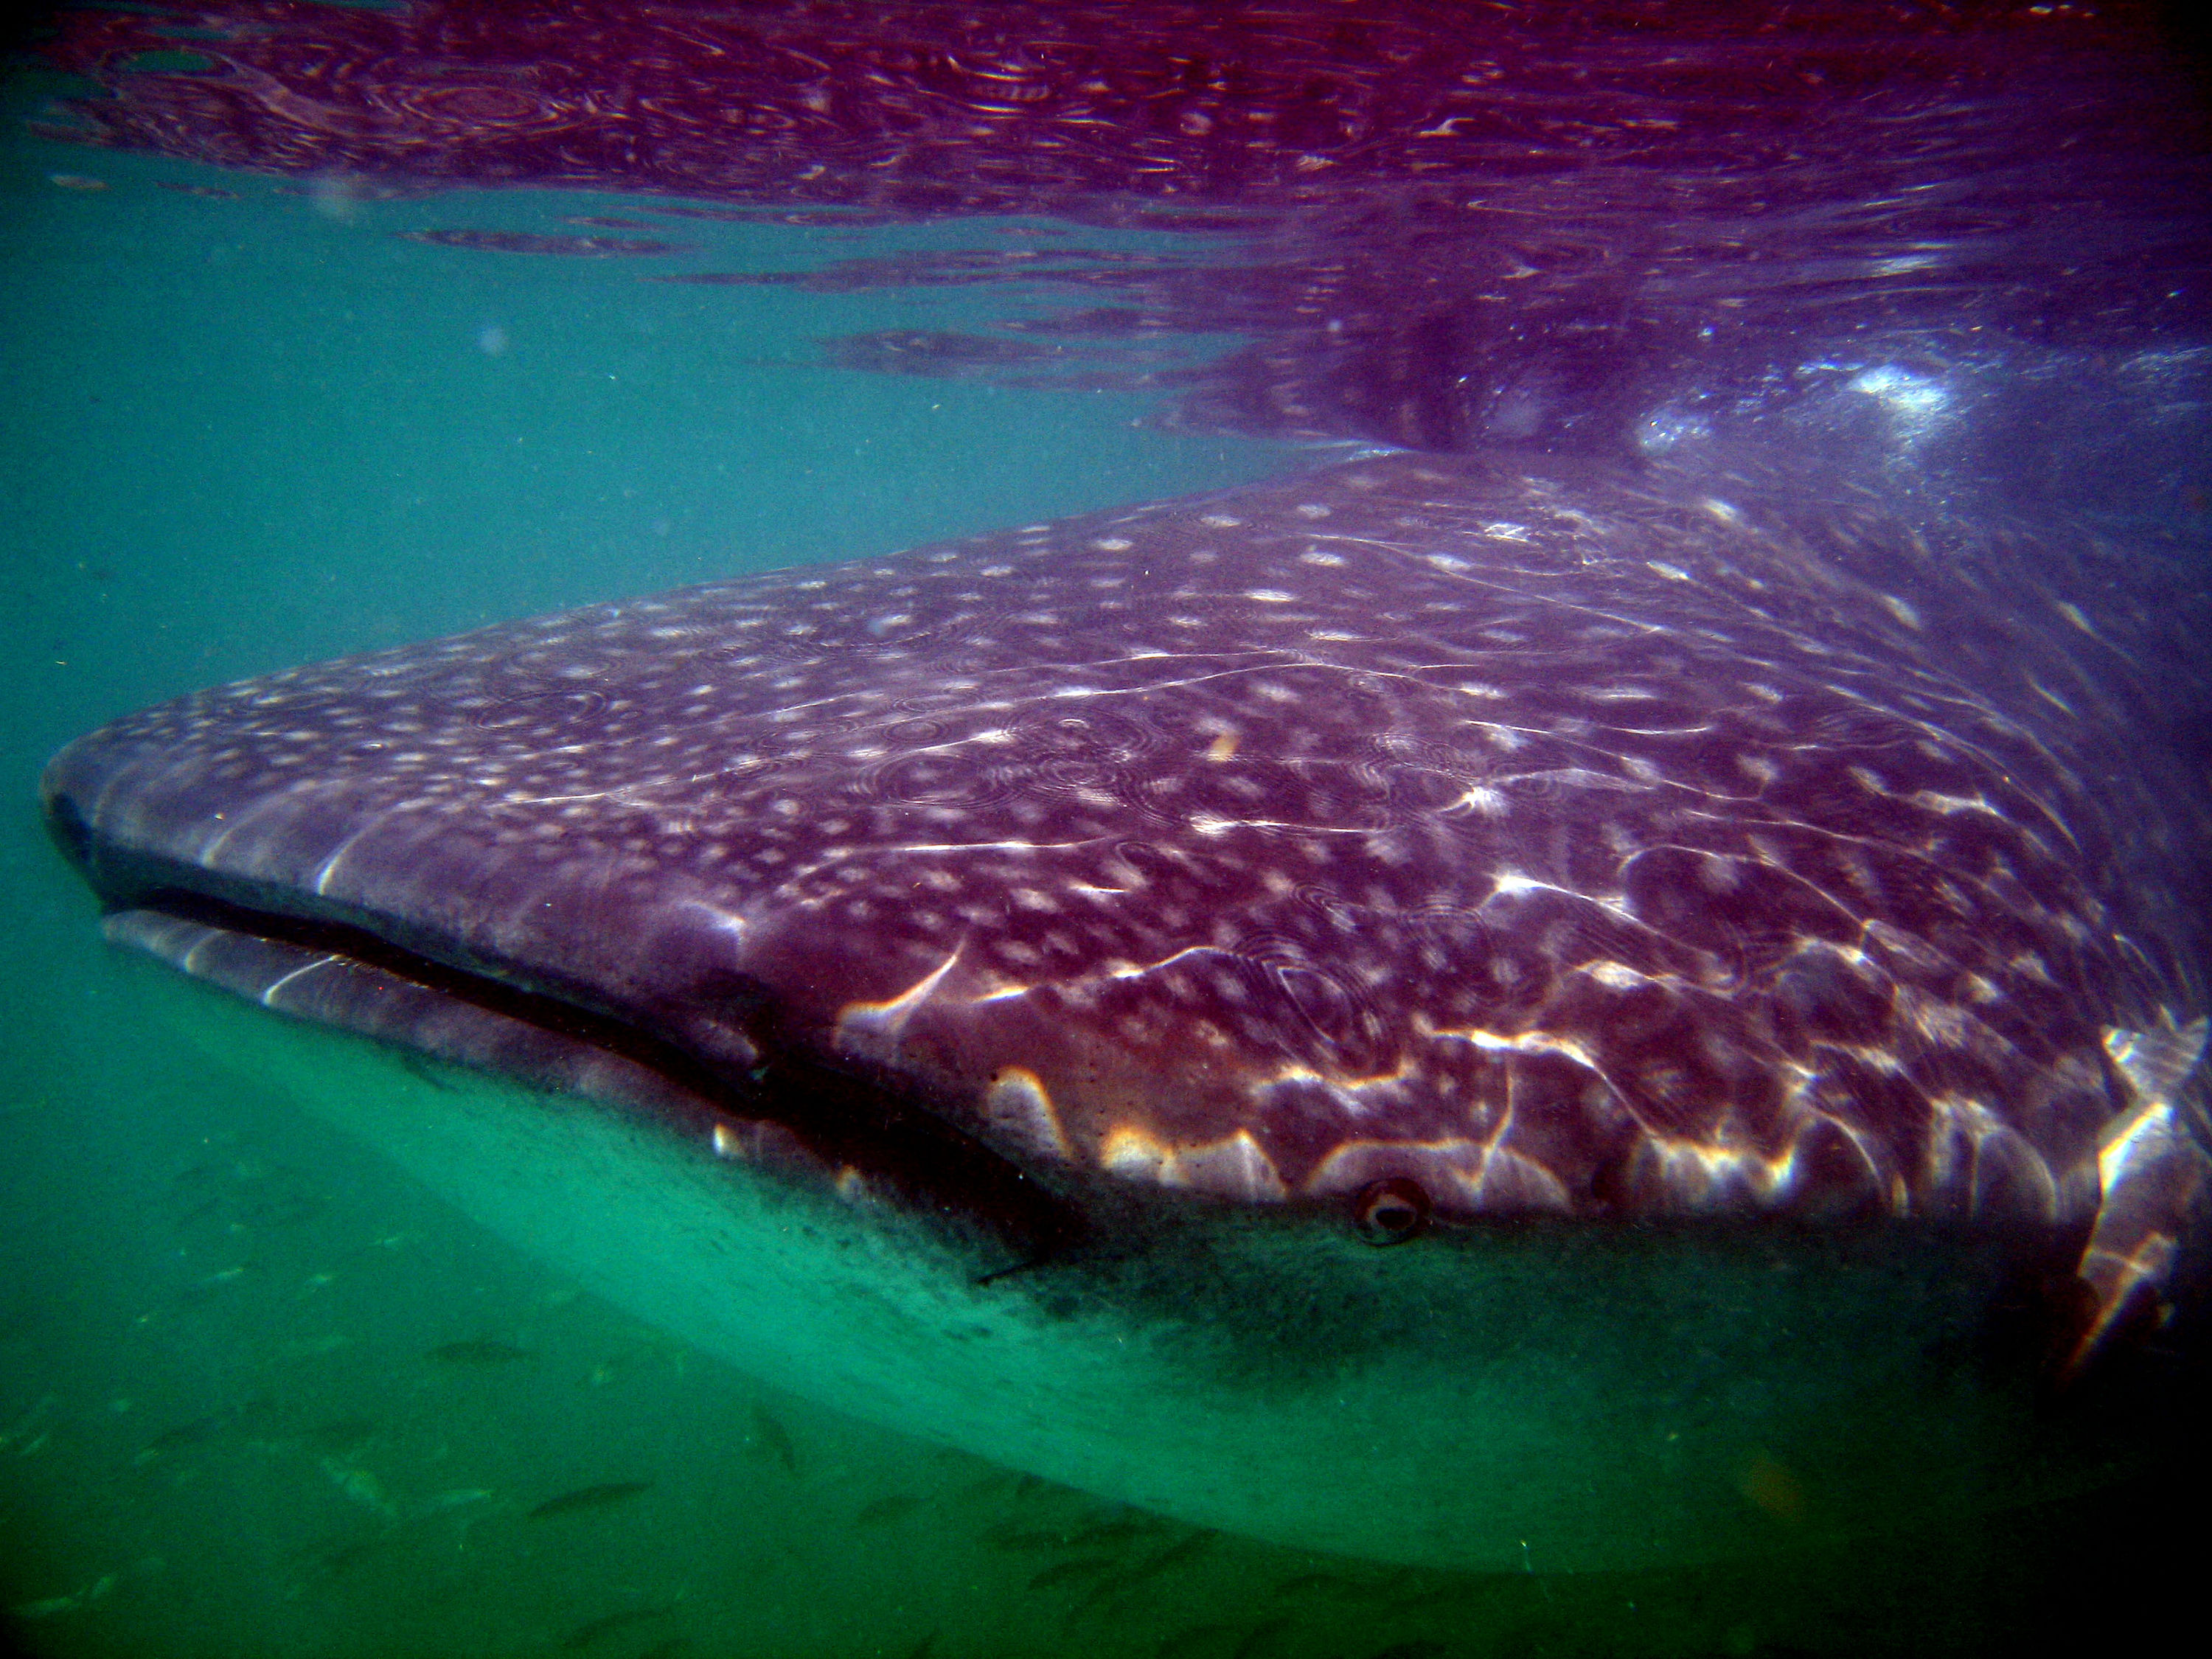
1020,979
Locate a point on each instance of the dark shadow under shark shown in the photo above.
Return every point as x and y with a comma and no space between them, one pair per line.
1715,872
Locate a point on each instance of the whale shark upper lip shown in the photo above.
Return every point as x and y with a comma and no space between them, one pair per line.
849,1119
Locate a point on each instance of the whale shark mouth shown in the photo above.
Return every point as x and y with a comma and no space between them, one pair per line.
791,1109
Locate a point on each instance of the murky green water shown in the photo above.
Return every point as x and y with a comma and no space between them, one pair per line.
259,1394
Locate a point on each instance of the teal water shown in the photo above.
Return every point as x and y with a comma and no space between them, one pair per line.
259,1394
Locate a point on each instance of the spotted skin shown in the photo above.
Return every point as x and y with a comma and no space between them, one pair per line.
1566,841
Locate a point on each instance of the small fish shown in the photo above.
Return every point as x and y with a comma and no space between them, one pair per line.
589,1498
479,1351
1453,1593
271,1206
1317,1583
197,1432
358,1484
1073,1572
1117,1584
1105,1534
1007,1536
607,1624
420,1069
767,1436
893,1507
1174,1556
21,1429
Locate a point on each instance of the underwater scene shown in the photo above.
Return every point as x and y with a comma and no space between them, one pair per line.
1199,831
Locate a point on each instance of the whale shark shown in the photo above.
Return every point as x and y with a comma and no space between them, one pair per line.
1467,1012
1617,977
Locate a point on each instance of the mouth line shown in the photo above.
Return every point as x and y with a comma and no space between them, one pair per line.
849,1118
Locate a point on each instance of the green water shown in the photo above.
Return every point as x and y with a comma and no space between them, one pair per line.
259,1394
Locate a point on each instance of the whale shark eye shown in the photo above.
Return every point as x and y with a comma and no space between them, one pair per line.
1390,1211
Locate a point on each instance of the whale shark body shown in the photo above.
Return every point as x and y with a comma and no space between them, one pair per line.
1615,980
1010,988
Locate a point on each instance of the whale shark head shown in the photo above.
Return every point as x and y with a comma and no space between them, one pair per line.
1010,988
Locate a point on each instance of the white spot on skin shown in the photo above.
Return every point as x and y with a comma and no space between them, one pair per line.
873,1029
1235,1168
1485,800
720,921
1913,401
1019,1108
1949,806
1133,1154
1615,975
2049,696
2073,614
